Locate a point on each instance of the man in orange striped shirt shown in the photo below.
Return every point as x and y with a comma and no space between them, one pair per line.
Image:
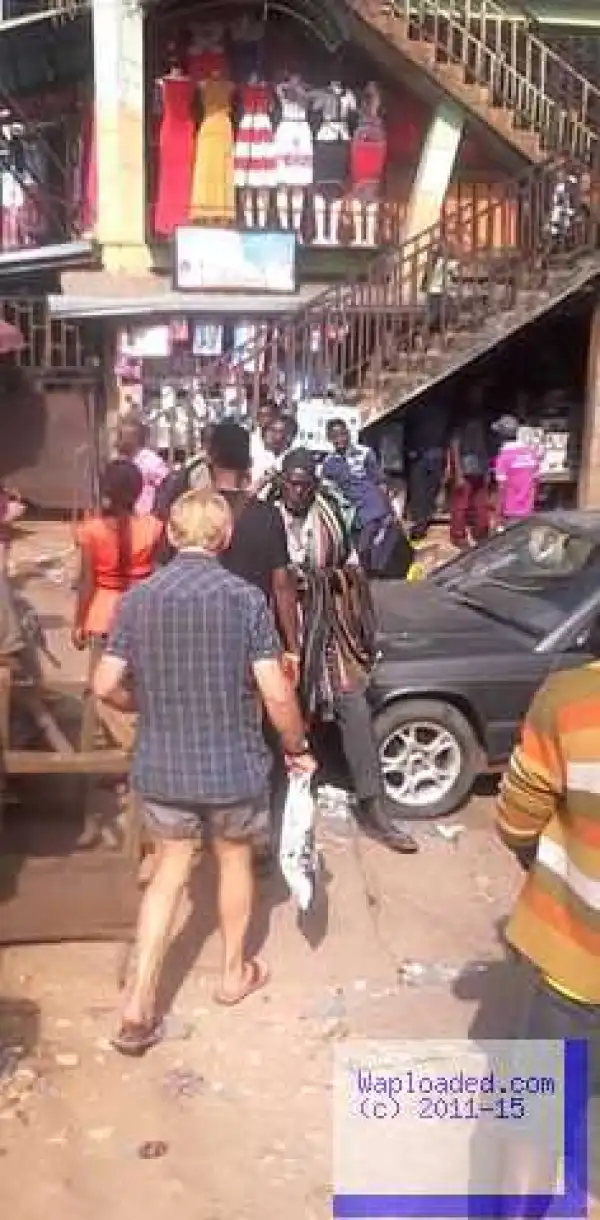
549,815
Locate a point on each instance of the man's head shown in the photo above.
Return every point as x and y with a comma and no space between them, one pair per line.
200,521
230,453
338,435
507,427
300,482
276,435
131,435
265,415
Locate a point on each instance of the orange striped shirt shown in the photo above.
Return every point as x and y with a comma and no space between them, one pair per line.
550,800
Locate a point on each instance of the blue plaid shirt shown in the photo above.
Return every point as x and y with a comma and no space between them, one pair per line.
190,635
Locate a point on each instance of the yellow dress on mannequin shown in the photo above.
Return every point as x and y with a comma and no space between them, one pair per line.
213,196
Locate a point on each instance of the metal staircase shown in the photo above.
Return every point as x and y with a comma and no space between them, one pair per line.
385,339
485,56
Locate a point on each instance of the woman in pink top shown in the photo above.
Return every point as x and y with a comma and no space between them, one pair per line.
516,470
132,446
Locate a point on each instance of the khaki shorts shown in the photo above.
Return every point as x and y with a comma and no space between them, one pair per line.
244,822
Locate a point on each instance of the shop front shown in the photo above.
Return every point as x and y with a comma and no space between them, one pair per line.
261,122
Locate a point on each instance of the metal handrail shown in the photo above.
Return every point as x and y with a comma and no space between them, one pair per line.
507,232
523,72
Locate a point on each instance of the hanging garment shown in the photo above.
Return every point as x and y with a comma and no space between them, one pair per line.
207,339
335,107
254,159
213,196
293,138
368,150
175,153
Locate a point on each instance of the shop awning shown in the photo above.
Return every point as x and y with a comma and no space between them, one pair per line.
142,304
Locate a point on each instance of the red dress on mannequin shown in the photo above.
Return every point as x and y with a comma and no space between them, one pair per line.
175,154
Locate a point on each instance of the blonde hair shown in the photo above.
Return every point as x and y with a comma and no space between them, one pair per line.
200,518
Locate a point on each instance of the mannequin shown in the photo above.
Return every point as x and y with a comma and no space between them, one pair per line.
247,37
213,195
254,158
368,154
206,56
293,151
335,109
174,97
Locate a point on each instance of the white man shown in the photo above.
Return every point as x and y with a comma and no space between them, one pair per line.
198,646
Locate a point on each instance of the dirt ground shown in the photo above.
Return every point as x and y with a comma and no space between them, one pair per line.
238,1102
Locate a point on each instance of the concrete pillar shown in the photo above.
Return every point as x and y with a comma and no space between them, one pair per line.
118,27
588,492
435,169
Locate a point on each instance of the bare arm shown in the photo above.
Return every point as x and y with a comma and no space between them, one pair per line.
281,704
85,591
107,681
284,596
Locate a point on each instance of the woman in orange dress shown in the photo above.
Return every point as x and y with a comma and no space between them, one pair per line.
117,549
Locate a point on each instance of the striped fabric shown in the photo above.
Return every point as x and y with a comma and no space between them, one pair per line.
550,800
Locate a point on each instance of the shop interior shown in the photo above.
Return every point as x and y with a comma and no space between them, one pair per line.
539,376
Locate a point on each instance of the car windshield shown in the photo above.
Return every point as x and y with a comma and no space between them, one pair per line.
534,575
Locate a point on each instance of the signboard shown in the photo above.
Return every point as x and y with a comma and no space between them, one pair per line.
218,260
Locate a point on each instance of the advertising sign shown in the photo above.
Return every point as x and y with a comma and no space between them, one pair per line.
225,260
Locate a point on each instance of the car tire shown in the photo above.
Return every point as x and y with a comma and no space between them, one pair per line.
433,712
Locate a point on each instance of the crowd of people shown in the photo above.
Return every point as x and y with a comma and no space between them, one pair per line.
227,605
490,485
235,619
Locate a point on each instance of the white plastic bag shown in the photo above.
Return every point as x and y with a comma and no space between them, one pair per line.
297,855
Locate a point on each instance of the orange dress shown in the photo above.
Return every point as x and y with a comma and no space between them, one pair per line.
98,539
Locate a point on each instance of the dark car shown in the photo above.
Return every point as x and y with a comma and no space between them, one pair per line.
462,653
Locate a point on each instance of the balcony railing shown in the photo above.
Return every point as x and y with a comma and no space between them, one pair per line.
11,10
343,223
355,334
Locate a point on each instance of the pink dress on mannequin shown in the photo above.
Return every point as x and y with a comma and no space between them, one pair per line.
175,155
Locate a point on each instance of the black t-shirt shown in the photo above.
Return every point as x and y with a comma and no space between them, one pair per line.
259,544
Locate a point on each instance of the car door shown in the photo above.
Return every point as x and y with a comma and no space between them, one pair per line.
506,690
514,680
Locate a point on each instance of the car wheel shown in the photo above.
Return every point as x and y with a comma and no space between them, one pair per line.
429,756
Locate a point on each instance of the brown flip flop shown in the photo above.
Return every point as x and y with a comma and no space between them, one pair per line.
134,1039
257,977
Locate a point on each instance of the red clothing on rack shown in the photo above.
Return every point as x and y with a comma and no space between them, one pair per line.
175,154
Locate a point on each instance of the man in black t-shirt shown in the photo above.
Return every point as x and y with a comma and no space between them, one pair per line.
258,552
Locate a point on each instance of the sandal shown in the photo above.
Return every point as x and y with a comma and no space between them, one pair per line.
135,1038
257,975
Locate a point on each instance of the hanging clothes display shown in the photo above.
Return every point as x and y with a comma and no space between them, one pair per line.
368,150
293,138
213,196
207,339
254,158
336,109
175,152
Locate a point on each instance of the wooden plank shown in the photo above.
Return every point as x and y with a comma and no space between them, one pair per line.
83,896
42,762
46,722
